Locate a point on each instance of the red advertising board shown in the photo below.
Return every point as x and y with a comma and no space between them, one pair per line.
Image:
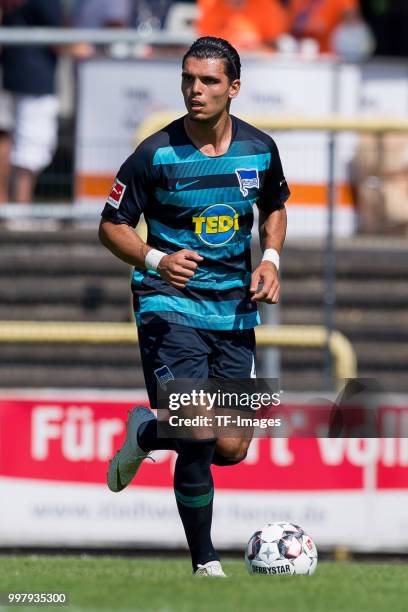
72,441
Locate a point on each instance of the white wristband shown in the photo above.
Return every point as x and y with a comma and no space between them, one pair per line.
271,255
153,258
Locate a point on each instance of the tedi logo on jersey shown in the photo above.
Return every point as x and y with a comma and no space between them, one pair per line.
247,179
217,224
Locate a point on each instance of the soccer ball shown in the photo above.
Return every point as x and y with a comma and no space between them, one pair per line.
281,548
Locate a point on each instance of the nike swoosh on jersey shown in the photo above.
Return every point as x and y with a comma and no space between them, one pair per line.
181,186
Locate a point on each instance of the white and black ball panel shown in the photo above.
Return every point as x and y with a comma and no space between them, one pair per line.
301,565
272,532
290,546
254,545
269,552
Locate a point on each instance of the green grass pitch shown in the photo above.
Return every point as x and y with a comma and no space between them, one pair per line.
166,585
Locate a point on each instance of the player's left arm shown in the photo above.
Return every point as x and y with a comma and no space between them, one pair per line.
265,285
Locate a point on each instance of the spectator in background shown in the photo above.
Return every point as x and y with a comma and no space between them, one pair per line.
28,143
101,13
149,15
29,76
319,19
96,14
145,15
389,22
247,24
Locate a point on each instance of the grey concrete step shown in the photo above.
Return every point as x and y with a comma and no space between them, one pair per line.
94,311
104,377
356,323
372,293
370,355
389,356
131,378
89,355
113,289
65,289
297,261
50,260
65,235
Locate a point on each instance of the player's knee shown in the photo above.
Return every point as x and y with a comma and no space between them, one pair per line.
233,448
239,451
239,455
230,452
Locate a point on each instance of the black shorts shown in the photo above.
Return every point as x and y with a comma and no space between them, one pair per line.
170,351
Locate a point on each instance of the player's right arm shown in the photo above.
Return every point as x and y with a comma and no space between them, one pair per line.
123,242
128,198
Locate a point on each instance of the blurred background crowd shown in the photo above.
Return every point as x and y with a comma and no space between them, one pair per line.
269,25
349,29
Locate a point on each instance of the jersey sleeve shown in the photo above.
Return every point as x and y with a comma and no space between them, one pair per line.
131,190
275,190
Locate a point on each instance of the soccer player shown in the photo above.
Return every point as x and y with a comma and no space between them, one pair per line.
195,295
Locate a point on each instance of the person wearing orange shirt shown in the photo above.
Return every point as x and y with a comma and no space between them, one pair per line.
247,24
319,18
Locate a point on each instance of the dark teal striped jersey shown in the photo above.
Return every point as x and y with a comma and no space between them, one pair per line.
205,204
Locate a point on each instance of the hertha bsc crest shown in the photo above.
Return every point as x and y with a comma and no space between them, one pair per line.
247,179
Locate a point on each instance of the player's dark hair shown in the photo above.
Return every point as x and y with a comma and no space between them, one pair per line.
210,47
